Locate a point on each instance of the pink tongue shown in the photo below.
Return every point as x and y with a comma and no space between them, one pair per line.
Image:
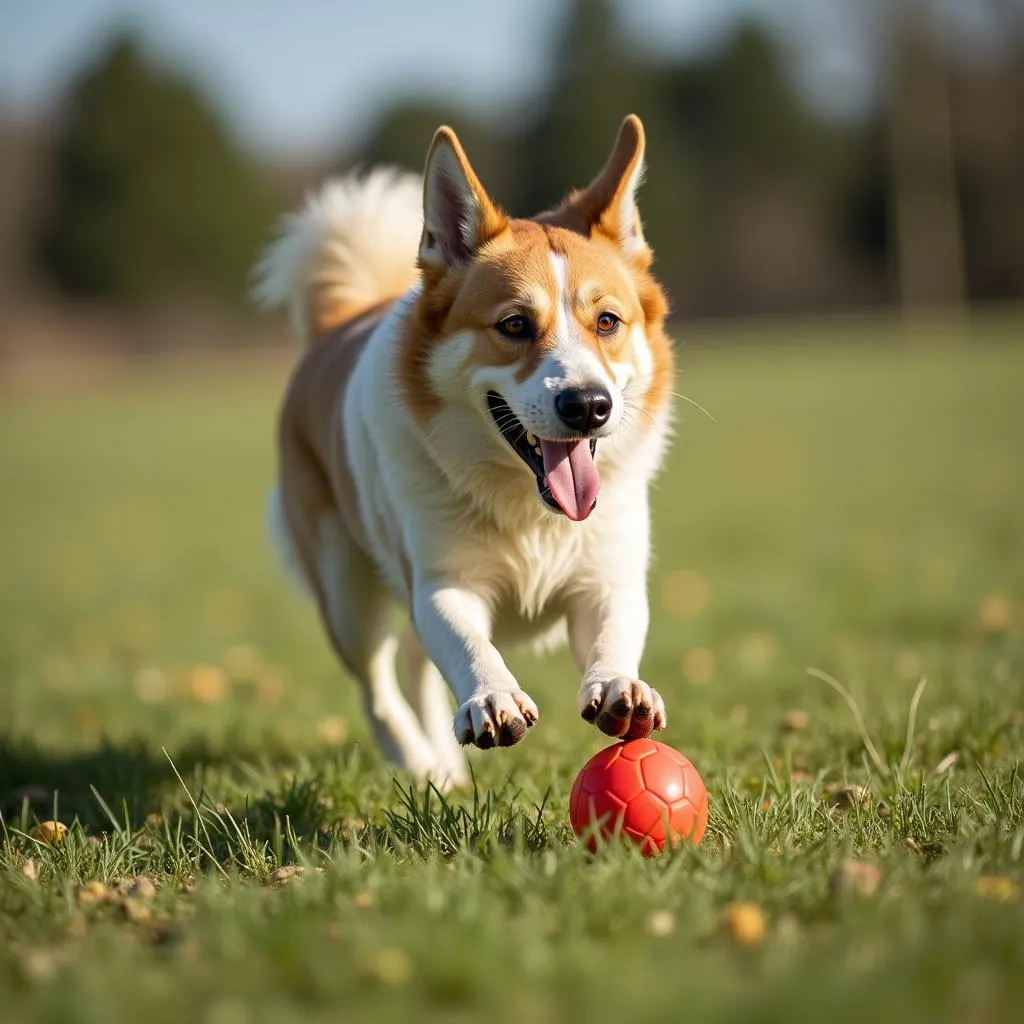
571,476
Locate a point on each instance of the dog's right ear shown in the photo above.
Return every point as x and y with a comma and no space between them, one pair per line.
458,215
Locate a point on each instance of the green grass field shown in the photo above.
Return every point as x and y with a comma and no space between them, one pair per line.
855,506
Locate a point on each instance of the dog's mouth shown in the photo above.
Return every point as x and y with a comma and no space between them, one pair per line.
567,477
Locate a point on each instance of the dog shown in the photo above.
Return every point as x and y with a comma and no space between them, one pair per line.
469,437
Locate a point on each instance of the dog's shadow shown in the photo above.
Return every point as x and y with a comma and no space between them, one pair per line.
131,777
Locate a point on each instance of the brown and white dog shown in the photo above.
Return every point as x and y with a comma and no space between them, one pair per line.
470,435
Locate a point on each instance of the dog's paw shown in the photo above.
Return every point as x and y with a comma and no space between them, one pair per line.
498,718
625,708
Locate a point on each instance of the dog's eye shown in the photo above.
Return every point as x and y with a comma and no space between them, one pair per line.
516,327
607,323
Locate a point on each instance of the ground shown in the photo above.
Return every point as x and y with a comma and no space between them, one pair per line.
853,507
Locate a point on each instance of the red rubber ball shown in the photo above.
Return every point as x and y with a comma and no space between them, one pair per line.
640,790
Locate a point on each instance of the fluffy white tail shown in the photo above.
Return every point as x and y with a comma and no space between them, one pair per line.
351,246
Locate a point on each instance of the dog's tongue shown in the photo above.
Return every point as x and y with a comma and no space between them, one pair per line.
571,476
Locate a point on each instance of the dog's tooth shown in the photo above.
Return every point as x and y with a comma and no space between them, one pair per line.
531,439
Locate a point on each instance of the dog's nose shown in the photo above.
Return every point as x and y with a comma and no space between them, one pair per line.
583,409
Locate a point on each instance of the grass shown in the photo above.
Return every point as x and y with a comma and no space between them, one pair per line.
855,507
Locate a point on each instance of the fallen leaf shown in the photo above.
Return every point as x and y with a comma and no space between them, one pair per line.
998,888
391,966
700,665
91,892
50,832
744,923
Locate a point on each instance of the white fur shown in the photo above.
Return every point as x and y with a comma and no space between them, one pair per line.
357,235
631,236
572,364
281,541
490,564
358,623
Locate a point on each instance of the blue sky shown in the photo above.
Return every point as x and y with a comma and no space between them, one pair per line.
301,75
293,74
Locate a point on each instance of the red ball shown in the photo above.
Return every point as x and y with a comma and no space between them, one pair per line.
642,790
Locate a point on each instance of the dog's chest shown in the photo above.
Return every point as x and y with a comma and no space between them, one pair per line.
528,573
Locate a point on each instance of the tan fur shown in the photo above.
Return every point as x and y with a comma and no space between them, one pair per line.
315,475
510,272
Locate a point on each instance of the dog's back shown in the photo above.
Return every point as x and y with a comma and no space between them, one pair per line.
337,268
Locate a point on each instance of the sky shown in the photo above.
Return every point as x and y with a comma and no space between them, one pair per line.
292,74
297,76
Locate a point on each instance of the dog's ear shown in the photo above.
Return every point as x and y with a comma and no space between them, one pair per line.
608,203
458,215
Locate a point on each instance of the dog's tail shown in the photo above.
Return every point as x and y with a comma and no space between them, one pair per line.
352,246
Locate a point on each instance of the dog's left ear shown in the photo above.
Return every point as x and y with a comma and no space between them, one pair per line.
608,203
458,215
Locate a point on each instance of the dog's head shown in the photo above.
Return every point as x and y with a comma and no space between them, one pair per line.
538,343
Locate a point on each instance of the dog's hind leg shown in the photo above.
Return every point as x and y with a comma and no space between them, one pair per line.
359,615
432,700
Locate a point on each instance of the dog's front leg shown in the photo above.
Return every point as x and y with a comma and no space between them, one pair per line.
607,631
454,626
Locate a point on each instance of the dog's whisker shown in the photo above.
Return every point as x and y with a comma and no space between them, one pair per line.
694,403
632,407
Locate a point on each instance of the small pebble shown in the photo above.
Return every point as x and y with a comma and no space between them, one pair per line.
30,869
142,888
859,877
284,874
848,796
137,911
795,721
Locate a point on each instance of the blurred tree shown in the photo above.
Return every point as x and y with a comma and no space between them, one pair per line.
925,205
989,143
737,199
753,203
597,78
152,198
937,197
403,132
768,175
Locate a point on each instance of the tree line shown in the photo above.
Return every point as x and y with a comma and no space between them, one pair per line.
753,203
